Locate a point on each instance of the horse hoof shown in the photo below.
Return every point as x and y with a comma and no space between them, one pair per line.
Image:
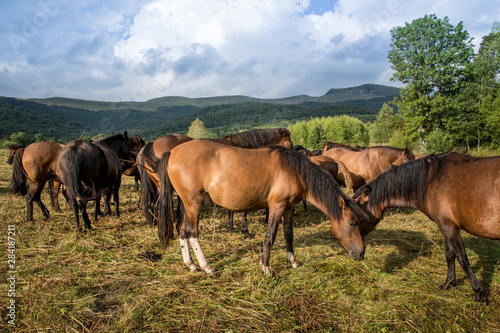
248,236
265,269
209,270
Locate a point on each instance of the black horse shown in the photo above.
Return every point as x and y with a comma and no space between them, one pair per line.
90,170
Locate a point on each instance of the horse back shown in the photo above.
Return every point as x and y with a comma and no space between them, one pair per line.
465,190
236,178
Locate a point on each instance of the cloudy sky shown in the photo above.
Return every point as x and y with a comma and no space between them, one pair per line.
118,50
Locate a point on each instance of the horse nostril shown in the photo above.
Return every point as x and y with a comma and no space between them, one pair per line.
361,255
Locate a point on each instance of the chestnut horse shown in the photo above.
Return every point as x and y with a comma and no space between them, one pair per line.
367,164
150,155
245,180
38,163
455,191
89,170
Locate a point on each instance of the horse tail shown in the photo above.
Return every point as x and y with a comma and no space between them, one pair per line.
149,195
149,192
347,175
74,174
19,175
165,204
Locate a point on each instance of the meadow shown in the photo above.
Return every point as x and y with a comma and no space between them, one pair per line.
97,281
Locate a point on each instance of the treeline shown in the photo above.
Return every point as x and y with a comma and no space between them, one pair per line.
221,120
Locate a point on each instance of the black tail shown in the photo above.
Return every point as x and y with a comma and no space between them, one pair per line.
165,204
149,192
19,176
75,178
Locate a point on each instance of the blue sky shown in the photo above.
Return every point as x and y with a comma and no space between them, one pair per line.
117,50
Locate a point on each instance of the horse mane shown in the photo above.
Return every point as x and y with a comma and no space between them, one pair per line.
319,184
108,138
334,144
253,138
407,182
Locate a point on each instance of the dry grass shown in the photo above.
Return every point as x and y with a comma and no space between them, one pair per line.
94,281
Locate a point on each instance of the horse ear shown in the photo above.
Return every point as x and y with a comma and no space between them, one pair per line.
125,133
367,190
342,203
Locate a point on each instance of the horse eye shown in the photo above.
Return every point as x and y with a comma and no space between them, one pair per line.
353,223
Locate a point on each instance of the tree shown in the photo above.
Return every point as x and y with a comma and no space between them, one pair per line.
197,130
430,56
386,124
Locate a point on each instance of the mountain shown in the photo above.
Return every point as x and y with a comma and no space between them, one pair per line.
67,119
333,96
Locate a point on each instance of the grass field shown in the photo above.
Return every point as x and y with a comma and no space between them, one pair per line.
95,282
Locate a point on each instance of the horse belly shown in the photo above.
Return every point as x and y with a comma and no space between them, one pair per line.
235,197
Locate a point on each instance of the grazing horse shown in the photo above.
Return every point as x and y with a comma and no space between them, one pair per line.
455,191
369,163
150,155
89,170
238,179
38,163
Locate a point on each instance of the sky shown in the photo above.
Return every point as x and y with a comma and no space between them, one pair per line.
136,50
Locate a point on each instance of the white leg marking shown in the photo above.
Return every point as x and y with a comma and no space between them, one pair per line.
291,258
202,261
265,269
186,255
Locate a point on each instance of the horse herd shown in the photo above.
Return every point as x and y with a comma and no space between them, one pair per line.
260,169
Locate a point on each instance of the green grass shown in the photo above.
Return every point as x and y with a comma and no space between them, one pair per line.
94,281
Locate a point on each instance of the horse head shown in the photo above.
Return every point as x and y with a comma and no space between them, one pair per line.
404,156
285,141
13,149
347,229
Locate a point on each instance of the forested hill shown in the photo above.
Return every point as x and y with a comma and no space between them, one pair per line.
67,119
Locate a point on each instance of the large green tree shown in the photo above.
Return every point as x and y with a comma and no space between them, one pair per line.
430,56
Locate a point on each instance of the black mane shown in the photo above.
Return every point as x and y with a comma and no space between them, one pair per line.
407,182
254,138
321,185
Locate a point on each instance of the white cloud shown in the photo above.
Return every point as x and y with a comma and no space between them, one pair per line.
137,50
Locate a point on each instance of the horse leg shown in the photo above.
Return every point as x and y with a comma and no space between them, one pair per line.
275,214
229,225
85,216
288,230
450,260
116,199
453,235
244,226
189,231
34,193
54,192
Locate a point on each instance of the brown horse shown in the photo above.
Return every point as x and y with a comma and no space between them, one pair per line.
150,155
38,163
89,170
455,191
369,163
245,180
